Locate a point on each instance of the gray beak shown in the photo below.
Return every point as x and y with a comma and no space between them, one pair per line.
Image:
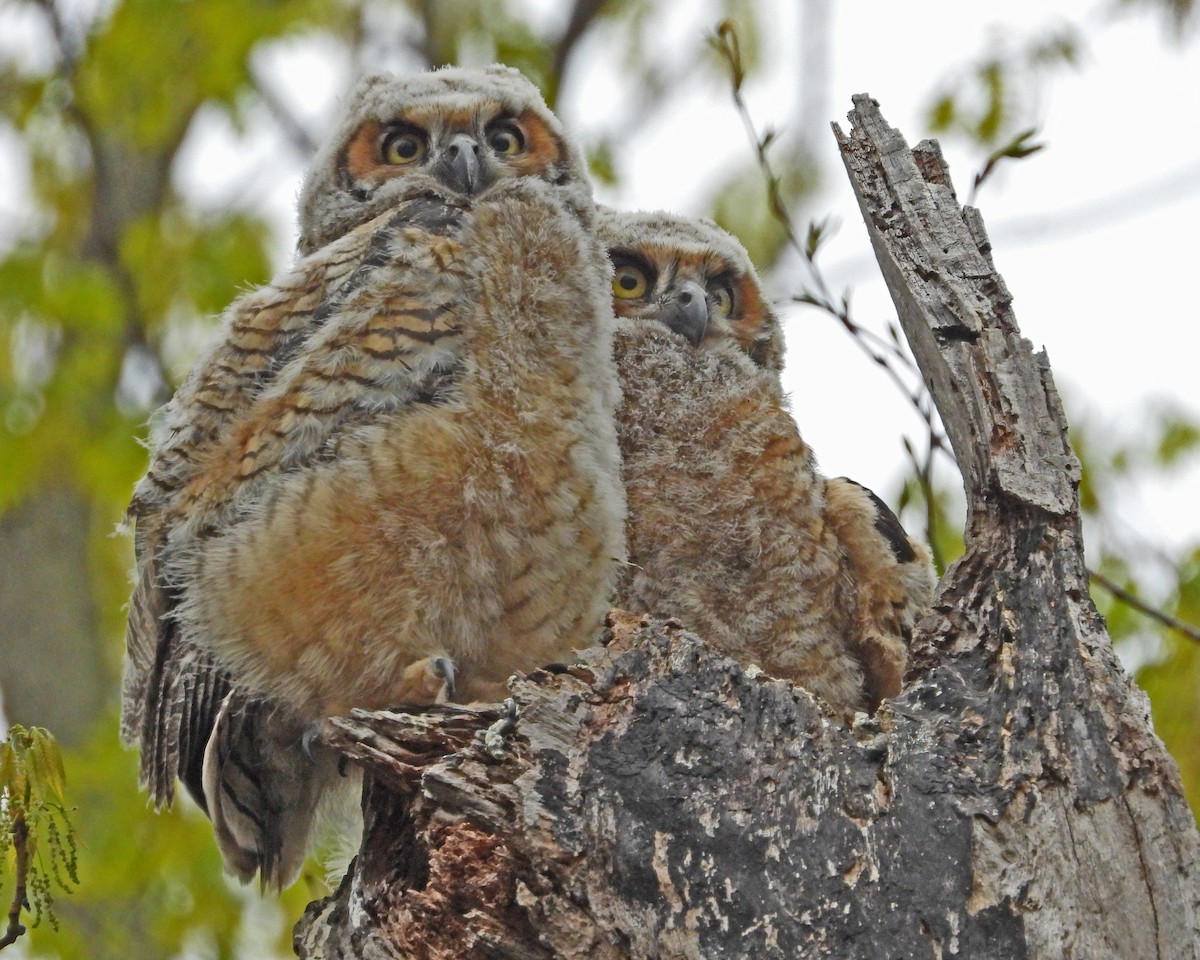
459,166
685,310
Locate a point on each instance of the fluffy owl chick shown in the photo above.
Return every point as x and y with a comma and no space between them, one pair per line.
731,526
433,477
396,463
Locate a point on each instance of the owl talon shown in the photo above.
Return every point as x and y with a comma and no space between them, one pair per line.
312,733
426,682
493,736
444,667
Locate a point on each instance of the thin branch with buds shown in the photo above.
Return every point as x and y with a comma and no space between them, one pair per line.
20,901
888,355
583,13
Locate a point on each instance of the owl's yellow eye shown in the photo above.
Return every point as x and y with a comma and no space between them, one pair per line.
402,146
629,282
722,299
505,138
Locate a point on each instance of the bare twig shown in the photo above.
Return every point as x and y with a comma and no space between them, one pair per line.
885,355
1154,613
888,355
882,352
304,142
20,900
729,46
69,49
583,12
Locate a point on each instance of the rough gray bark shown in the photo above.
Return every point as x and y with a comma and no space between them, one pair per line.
660,801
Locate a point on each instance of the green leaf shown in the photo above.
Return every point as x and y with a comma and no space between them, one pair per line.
1177,439
1174,688
942,114
993,77
12,780
744,15
1060,47
47,778
601,163
815,236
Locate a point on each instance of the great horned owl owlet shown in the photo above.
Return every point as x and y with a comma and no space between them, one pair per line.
731,527
396,471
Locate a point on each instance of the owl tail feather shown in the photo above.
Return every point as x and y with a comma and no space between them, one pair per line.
262,789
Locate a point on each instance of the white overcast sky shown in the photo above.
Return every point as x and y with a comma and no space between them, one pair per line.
1095,236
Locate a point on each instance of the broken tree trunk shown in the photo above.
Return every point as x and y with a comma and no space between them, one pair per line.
660,801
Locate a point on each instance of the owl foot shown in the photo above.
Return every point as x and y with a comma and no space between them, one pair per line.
493,736
427,682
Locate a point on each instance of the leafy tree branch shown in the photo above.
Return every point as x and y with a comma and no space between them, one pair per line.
35,830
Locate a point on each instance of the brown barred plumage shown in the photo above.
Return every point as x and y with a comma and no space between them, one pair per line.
396,473
731,527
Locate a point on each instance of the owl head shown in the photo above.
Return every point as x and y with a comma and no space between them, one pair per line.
456,131
694,278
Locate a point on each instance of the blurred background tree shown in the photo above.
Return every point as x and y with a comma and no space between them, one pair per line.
149,147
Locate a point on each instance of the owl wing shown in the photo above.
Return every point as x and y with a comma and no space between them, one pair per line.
894,579
243,408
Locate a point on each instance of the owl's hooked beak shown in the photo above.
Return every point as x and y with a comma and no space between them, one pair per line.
685,310
459,166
